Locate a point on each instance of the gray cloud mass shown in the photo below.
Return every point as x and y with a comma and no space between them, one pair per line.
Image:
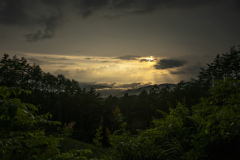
169,63
12,12
49,15
192,69
128,57
51,24
32,14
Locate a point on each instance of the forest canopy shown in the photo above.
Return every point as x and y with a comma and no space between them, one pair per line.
197,119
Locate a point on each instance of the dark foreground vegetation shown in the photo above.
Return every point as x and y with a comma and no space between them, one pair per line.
43,116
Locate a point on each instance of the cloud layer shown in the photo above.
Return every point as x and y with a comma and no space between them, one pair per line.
46,16
170,63
128,57
50,23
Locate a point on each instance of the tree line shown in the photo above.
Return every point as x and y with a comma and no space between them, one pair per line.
67,102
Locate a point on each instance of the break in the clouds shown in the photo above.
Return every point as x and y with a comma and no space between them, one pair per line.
169,63
47,16
128,57
116,40
147,59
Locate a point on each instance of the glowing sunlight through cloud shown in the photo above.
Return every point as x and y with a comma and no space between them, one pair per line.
103,69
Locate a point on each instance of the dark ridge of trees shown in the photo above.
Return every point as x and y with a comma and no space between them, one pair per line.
27,135
222,67
67,102
62,97
198,119
210,130
201,122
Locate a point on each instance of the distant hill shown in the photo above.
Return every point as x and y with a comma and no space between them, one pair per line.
88,86
147,88
105,92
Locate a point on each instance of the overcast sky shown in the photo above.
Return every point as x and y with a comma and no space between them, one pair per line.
120,41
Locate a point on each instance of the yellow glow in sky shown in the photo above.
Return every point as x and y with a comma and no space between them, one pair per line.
104,69
150,58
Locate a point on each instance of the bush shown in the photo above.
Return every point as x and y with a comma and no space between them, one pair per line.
23,132
210,131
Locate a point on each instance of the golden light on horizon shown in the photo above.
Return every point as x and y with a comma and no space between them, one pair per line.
150,58
102,69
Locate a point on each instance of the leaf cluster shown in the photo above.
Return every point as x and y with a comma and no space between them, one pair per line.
213,126
23,131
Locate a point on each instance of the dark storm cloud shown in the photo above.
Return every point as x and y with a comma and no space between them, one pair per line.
169,63
51,24
87,7
128,57
193,69
32,14
124,7
20,11
56,3
48,15
178,72
12,12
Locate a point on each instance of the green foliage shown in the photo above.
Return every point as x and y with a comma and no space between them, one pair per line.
155,143
98,136
23,133
67,129
73,155
176,122
213,126
223,66
220,122
61,97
